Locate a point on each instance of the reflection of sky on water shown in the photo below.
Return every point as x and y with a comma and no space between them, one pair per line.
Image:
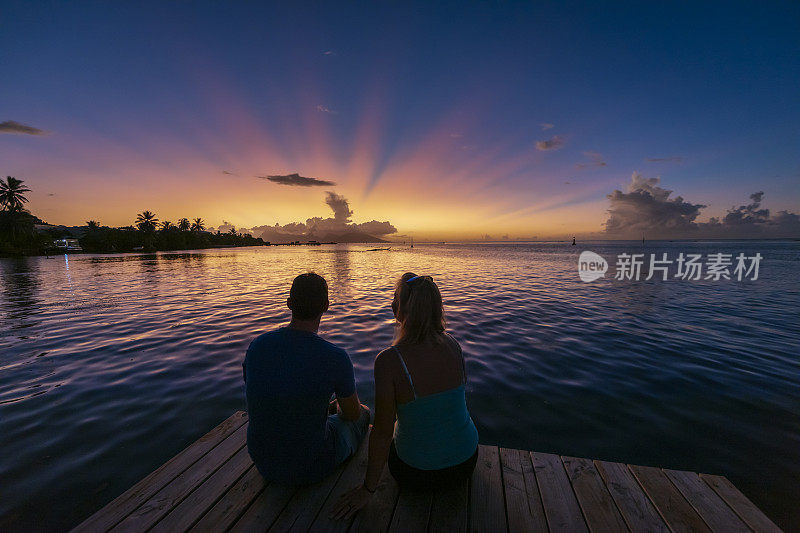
123,360
21,285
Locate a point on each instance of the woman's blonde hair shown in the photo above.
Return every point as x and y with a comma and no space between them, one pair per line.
417,305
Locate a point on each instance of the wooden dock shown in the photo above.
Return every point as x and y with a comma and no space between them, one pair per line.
213,486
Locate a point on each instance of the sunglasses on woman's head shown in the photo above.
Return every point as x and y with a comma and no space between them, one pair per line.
415,278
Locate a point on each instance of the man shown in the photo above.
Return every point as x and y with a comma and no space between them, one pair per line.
290,375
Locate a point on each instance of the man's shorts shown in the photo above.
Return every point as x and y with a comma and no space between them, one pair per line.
349,434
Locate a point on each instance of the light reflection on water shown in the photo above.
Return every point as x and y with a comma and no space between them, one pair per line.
112,364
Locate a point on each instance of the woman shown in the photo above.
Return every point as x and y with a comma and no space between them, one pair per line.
419,383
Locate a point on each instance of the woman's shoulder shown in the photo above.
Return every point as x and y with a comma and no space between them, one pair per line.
451,341
385,355
386,362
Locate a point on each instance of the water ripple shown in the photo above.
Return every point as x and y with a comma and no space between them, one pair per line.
112,364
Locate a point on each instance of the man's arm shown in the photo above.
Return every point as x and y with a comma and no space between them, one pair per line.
345,389
350,407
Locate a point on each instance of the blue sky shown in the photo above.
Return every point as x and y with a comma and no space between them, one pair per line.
395,100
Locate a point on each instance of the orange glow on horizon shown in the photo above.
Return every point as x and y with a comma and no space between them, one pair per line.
436,186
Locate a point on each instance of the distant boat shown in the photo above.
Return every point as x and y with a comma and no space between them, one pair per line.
412,242
67,245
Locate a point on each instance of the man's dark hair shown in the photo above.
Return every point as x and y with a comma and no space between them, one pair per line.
308,297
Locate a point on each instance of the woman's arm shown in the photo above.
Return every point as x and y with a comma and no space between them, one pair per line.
383,426
459,354
379,440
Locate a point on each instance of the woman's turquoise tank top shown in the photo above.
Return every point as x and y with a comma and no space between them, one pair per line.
434,431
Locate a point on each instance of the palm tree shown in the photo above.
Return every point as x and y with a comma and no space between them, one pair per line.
146,221
92,225
232,231
198,225
12,194
166,225
184,224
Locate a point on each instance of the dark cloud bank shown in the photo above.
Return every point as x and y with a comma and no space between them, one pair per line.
646,208
296,180
337,228
14,127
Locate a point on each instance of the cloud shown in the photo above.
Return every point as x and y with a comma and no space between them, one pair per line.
324,109
373,227
329,53
15,128
225,227
748,214
456,135
787,223
554,143
751,220
547,126
229,173
596,160
340,206
296,180
647,208
323,228
670,159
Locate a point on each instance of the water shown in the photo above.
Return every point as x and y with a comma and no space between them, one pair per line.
111,364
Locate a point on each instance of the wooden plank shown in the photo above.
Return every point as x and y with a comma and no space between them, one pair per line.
449,509
711,508
538,519
213,484
670,503
164,500
377,515
233,503
265,508
487,505
184,515
119,508
740,504
634,505
598,507
302,509
352,477
412,512
516,495
558,499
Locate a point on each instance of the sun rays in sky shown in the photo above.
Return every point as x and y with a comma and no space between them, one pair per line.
431,183
451,122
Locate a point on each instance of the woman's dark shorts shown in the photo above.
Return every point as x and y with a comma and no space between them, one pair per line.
408,477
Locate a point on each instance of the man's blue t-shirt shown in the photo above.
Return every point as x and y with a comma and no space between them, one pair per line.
289,377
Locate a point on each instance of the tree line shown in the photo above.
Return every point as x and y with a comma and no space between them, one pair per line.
19,235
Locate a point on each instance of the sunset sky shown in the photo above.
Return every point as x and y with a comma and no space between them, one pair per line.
458,121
